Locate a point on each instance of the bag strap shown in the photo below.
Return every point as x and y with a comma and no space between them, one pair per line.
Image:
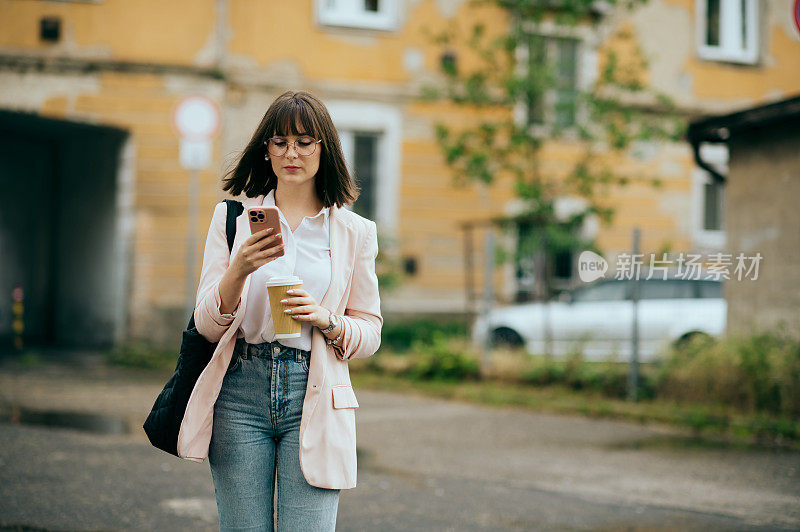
235,208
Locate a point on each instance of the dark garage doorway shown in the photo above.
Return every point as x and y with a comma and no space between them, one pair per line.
59,231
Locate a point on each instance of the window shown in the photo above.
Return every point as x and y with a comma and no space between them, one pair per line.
557,265
524,267
709,289
610,290
712,204
369,14
554,59
370,135
361,152
669,289
559,260
562,265
727,30
709,198
50,29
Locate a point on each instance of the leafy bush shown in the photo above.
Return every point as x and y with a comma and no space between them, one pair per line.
439,359
401,335
754,373
607,378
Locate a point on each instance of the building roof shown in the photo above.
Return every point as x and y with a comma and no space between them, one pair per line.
723,128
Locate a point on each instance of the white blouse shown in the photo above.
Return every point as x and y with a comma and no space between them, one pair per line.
307,255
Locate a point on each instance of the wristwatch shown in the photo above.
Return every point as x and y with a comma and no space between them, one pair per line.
334,322
335,341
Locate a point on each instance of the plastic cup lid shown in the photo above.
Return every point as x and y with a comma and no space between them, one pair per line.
283,280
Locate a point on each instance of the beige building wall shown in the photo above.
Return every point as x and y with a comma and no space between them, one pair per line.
764,186
127,64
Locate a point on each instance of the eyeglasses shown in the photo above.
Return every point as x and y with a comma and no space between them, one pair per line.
304,146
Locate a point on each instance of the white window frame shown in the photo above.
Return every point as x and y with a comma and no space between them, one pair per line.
351,14
587,60
717,156
730,48
386,121
347,140
565,206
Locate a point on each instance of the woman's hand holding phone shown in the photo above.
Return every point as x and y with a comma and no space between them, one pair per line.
264,245
259,249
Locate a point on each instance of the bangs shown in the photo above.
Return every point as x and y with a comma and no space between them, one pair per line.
294,114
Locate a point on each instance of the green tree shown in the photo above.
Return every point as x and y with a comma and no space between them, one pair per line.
525,93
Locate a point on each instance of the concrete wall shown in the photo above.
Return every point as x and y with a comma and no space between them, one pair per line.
763,217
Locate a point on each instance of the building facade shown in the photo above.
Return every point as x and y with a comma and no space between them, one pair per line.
94,210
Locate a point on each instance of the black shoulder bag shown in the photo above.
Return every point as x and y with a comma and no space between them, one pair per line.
164,421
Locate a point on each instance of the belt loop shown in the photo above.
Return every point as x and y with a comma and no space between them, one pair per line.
298,356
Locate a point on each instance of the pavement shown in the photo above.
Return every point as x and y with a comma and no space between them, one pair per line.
73,457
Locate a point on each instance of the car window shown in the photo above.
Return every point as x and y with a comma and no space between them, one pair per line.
605,291
669,289
710,289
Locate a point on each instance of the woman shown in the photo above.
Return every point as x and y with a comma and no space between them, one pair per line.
283,412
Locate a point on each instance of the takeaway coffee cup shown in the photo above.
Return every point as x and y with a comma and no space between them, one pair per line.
285,325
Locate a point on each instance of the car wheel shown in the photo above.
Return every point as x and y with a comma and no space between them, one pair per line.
693,338
506,338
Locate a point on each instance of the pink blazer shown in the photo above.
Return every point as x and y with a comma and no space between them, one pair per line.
327,427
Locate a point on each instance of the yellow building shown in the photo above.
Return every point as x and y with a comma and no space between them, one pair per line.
94,206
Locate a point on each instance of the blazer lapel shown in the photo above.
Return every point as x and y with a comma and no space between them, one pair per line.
339,238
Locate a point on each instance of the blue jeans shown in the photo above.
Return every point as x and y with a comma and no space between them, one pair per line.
255,444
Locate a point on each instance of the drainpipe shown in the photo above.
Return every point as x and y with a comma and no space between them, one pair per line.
723,134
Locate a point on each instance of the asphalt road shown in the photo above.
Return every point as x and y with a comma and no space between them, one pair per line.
424,464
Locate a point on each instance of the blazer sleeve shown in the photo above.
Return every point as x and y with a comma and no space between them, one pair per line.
208,319
362,322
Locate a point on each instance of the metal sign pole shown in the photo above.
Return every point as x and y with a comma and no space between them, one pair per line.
196,119
488,298
633,375
191,240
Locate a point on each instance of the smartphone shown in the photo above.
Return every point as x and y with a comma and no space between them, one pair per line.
264,217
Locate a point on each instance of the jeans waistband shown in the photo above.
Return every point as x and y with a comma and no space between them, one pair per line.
274,350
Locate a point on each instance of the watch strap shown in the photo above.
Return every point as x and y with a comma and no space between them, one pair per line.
334,322
335,341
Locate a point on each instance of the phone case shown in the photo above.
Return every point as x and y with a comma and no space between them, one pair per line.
263,217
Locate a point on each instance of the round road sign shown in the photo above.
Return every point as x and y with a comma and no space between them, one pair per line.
196,118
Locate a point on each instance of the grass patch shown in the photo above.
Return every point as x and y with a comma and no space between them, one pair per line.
703,422
743,389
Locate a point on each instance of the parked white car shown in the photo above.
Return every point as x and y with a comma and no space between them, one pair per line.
597,319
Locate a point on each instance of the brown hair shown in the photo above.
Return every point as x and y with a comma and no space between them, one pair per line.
254,176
